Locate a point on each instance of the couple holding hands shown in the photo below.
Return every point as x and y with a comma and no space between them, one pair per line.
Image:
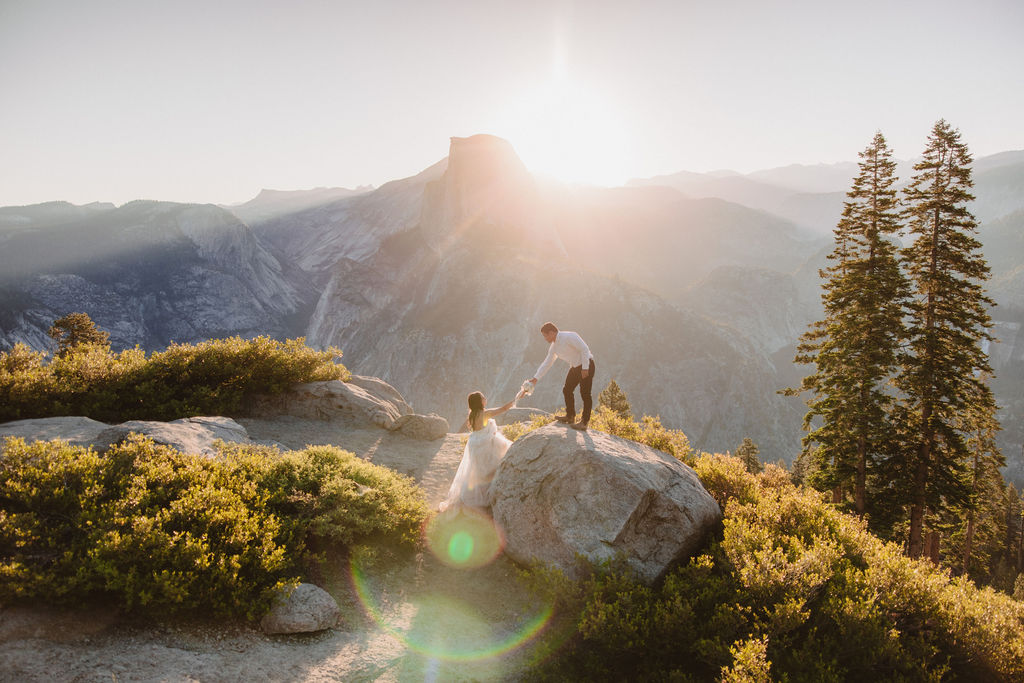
486,445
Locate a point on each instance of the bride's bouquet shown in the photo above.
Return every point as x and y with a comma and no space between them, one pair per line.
524,390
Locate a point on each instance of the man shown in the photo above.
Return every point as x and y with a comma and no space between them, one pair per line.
572,349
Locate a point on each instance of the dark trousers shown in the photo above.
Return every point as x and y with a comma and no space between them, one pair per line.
574,379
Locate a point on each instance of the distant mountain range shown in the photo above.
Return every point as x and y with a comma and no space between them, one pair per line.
692,289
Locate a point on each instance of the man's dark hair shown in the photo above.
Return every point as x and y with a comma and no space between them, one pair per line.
548,327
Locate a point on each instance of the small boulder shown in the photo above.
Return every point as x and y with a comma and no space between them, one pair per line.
559,492
306,609
424,427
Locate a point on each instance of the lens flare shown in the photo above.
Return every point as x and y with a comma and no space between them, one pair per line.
460,547
465,538
444,628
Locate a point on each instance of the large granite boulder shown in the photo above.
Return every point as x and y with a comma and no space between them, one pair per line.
360,402
377,387
334,399
188,435
306,609
559,492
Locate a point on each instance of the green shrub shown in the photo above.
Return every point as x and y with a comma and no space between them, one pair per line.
793,590
161,532
210,378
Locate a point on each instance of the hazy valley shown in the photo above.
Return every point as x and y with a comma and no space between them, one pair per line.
691,289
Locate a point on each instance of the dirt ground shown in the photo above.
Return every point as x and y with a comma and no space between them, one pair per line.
412,618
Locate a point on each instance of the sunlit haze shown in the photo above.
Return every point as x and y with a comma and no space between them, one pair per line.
212,101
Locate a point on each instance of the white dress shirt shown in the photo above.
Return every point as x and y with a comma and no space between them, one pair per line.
568,346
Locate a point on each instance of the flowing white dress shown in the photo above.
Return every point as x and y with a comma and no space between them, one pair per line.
484,451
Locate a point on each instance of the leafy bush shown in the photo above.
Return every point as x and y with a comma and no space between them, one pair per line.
793,590
210,378
159,531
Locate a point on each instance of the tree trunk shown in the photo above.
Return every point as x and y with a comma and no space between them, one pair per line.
969,536
933,544
858,492
968,542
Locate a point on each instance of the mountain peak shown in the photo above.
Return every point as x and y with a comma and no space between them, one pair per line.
485,158
486,182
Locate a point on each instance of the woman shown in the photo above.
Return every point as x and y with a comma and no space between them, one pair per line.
484,450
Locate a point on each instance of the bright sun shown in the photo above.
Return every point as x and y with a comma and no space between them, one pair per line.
570,134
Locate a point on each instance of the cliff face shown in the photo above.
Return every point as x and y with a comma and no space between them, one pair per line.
318,237
148,273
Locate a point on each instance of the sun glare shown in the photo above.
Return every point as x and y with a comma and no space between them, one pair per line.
568,133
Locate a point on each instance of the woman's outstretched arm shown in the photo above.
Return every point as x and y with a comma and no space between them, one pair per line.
495,412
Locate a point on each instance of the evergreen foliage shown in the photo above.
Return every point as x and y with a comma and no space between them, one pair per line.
855,347
76,329
161,532
747,452
974,533
210,378
944,370
792,589
615,400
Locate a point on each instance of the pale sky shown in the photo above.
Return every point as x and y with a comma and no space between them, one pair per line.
212,100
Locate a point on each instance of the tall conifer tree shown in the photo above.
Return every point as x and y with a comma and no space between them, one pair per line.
977,531
942,377
855,348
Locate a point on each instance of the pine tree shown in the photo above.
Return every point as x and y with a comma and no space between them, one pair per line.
948,320
615,399
978,529
75,329
748,452
1013,552
855,348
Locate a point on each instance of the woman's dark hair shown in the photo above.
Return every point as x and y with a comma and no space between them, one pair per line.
476,406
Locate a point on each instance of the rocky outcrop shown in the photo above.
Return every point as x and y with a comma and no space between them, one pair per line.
189,435
559,492
305,609
331,400
78,431
365,400
375,386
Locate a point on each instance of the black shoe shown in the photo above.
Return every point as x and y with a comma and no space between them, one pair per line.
564,419
582,426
